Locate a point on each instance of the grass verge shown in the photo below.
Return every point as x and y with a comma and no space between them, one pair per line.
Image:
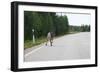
29,43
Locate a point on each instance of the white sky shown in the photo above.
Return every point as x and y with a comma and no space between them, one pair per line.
77,19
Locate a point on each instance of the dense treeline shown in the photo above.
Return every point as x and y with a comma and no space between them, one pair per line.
85,28
42,23
82,28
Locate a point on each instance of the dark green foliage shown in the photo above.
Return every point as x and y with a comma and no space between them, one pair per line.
28,24
42,23
60,24
85,28
82,28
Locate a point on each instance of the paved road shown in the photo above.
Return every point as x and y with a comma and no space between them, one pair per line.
73,46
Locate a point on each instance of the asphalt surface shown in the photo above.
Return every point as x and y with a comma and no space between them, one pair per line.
67,47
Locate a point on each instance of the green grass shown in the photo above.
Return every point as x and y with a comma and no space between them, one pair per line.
29,43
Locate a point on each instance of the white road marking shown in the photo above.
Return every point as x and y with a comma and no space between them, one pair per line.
68,47
33,51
